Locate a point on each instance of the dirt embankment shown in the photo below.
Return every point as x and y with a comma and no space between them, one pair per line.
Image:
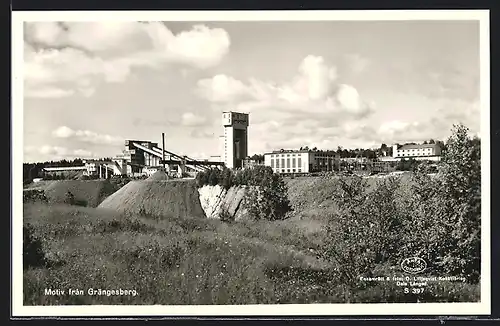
85,192
161,199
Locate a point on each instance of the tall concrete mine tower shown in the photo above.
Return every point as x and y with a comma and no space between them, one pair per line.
235,147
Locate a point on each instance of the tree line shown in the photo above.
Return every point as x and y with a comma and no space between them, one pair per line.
383,150
35,170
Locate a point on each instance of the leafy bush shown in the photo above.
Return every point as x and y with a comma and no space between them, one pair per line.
266,195
119,182
69,198
225,216
227,178
266,198
365,229
34,195
436,218
445,228
33,255
460,200
407,165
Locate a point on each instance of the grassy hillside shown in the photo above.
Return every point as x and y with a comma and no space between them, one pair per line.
188,261
344,241
179,261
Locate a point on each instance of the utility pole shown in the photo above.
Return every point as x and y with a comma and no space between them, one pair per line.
163,150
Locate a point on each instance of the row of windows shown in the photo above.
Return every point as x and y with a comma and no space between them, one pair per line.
413,150
283,155
288,170
408,154
326,159
293,161
299,154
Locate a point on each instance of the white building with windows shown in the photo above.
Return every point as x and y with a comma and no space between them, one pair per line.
302,161
431,152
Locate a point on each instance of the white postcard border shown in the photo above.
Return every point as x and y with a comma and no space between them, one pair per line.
18,310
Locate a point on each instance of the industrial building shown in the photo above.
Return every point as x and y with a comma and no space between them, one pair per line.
431,152
61,171
140,158
145,158
235,139
302,161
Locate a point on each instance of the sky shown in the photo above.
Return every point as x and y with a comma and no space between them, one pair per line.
88,86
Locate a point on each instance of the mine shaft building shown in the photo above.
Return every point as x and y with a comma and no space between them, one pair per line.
235,139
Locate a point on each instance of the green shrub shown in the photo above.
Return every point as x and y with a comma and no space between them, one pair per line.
227,178
444,211
33,255
364,231
266,196
225,216
407,165
34,195
214,177
69,198
436,218
460,205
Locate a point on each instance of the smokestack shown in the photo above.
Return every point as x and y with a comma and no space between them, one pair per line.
163,149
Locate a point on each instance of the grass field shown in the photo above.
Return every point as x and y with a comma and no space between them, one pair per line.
186,260
177,261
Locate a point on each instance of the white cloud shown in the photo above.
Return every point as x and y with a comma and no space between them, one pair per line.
201,46
203,133
300,112
63,132
75,57
313,90
222,88
315,109
348,98
395,126
316,78
53,150
356,63
83,153
87,136
47,92
49,152
397,131
190,119
45,32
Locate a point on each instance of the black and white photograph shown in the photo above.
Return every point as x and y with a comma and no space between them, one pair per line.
251,163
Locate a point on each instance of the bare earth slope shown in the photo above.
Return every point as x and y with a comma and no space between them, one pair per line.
86,192
176,198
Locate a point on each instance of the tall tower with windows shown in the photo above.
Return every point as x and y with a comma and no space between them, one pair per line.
235,147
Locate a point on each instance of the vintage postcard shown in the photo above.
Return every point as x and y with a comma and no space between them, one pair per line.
251,163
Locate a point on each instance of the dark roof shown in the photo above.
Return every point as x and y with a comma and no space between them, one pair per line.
237,112
418,146
287,151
